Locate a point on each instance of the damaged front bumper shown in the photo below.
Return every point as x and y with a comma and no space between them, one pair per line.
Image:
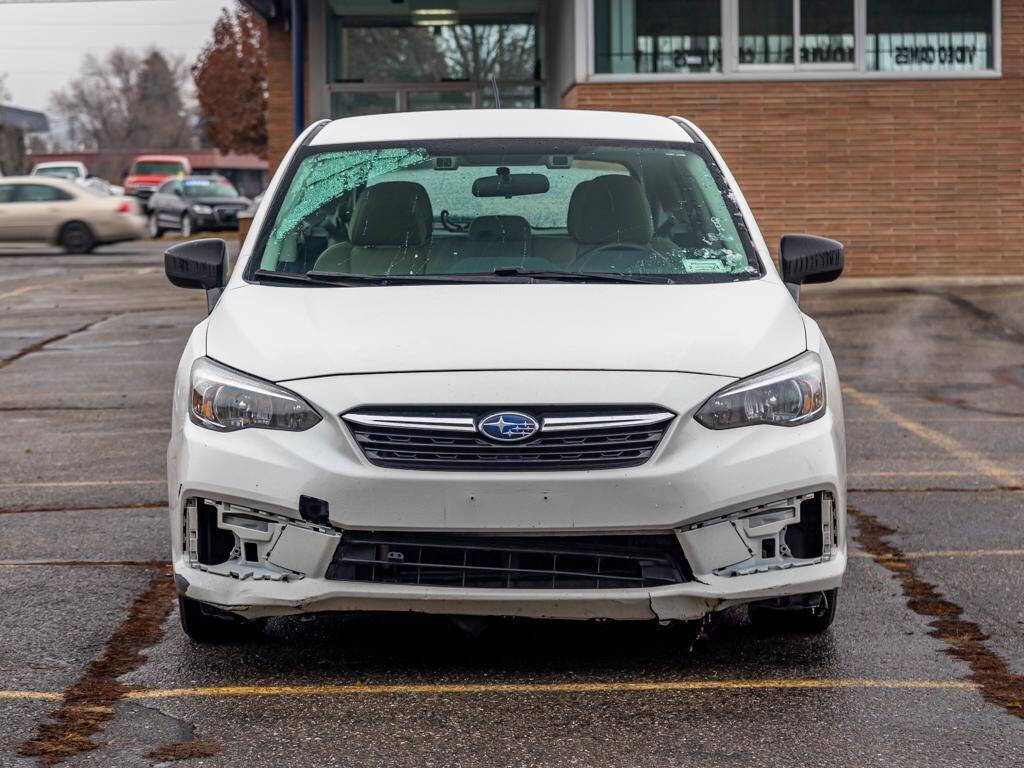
259,564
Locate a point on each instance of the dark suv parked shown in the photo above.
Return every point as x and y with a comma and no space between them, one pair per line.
194,204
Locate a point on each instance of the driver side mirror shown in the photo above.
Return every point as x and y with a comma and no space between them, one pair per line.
199,264
809,259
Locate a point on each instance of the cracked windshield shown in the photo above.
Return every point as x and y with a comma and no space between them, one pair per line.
477,208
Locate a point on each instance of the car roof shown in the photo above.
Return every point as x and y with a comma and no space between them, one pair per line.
175,158
501,124
55,181
59,164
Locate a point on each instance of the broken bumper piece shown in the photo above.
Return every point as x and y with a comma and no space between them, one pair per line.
260,564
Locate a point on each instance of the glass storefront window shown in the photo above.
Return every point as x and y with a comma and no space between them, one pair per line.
360,50
658,35
766,32
932,36
826,32
747,37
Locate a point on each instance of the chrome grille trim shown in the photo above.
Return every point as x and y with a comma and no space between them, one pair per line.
447,438
575,423
445,424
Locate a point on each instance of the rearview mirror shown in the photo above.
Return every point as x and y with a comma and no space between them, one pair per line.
199,264
510,184
809,259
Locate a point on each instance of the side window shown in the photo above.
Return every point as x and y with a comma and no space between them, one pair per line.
40,193
167,188
7,193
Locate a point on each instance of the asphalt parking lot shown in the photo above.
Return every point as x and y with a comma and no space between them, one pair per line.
924,666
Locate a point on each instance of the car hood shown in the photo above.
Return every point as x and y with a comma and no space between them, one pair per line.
214,200
281,333
146,178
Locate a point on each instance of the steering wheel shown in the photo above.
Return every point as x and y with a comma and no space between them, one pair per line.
583,263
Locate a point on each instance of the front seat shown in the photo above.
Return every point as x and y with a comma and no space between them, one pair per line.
389,232
609,209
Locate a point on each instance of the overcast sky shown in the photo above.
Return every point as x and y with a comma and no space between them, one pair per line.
42,43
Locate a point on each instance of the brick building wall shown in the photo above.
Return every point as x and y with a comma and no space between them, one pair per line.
279,94
914,176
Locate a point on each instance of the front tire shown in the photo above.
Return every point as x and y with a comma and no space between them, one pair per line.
207,625
187,228
812,620
76,237
155,230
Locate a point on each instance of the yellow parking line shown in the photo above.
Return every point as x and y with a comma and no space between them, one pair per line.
948,553
357,689
80,483
915,473
30,695
980,463
19,291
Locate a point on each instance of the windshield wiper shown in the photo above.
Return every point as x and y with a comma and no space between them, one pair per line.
575,277
269,276
348,278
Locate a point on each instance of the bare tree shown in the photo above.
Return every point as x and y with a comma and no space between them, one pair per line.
5,93
126,101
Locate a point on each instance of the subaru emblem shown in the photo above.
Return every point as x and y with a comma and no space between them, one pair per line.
508,426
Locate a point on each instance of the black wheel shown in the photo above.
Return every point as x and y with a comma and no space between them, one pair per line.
155,230
76,237
210,626
186,225
808,614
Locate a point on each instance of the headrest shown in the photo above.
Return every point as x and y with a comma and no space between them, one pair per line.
392,213
610,209
502,229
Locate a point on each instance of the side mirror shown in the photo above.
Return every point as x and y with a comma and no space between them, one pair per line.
177,192
809,259
199,264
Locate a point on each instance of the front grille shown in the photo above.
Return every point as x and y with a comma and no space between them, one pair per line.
226,214
510,562
432,439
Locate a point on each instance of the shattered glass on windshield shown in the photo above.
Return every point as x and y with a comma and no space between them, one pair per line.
522,208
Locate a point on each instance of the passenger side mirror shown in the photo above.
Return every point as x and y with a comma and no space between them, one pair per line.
809,259
177,192
199,264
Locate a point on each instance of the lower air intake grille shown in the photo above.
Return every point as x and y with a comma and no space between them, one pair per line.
509,562
433,439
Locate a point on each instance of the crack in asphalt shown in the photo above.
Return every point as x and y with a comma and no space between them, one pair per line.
100,508
40,345
88,703
964,639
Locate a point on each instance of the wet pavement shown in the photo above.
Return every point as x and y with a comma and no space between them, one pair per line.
922,666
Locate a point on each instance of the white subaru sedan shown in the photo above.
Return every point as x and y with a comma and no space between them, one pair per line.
506,363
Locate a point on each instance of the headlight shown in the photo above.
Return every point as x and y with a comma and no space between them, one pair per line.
226,400
202,210
790,394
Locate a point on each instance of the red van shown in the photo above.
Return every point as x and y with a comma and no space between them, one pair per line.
149,171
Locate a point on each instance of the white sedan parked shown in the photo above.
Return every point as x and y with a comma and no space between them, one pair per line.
40,209
522,363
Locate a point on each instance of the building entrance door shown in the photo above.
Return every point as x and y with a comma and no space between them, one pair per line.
385,56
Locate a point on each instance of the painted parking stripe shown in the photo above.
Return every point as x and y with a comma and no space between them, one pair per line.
19,291
80,483
949,553
356,689
981,464
609,687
